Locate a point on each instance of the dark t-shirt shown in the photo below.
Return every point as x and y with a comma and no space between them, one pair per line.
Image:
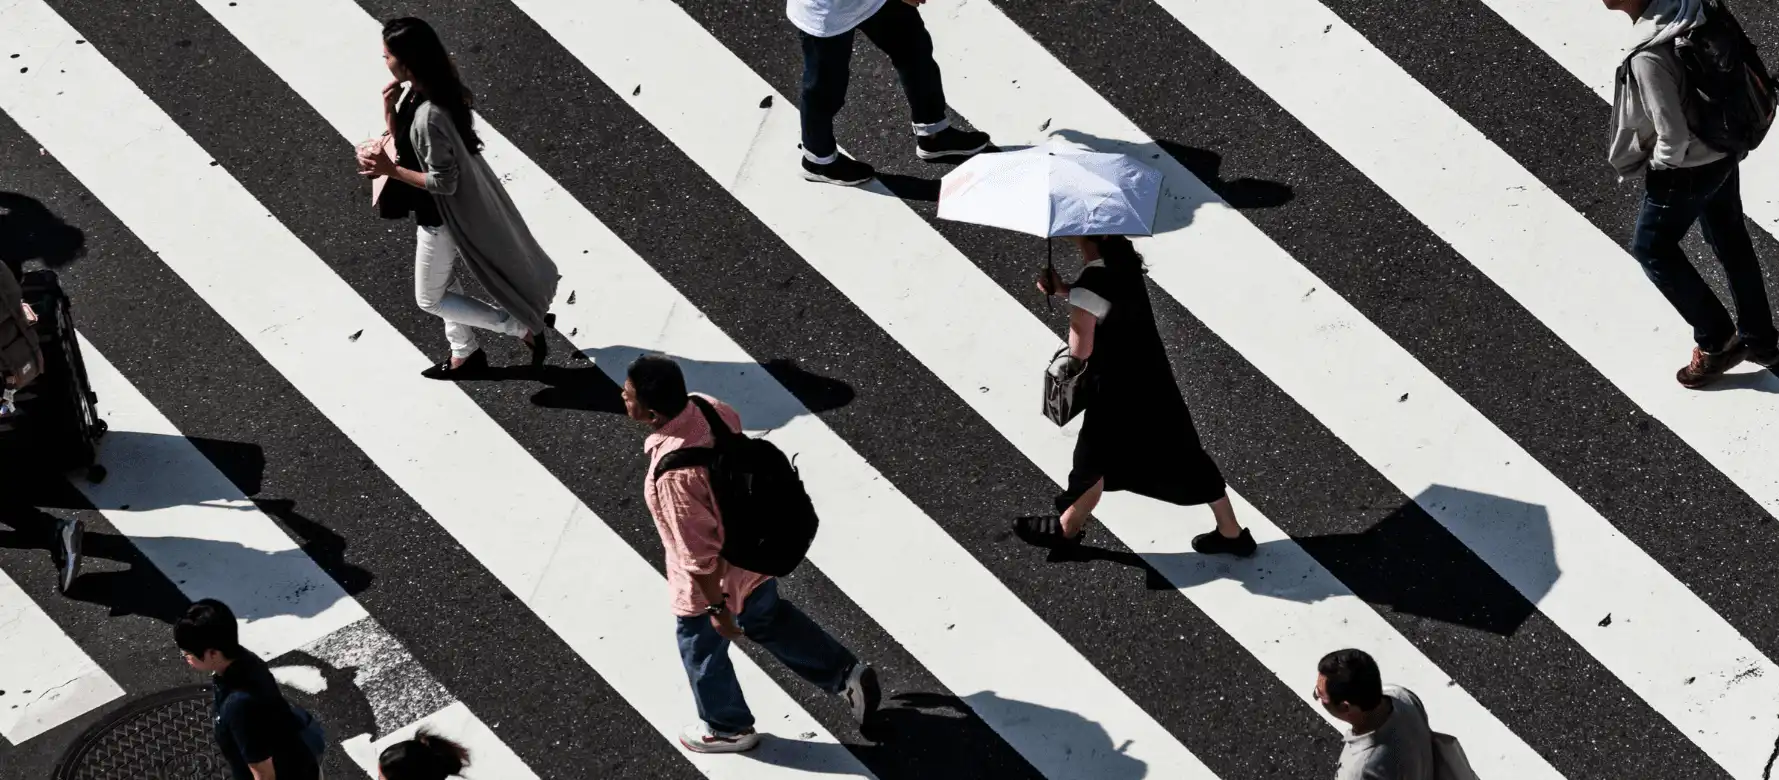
254,722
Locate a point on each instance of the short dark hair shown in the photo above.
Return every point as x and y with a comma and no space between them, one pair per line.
1353,678
207,625
660,386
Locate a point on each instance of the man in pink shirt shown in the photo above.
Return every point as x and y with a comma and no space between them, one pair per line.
705,589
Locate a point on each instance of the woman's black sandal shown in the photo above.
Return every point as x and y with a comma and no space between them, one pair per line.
1046,531
477,361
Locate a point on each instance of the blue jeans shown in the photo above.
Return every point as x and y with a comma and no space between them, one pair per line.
896,28
1710,195
777,625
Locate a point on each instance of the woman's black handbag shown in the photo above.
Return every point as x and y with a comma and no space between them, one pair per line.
1066,393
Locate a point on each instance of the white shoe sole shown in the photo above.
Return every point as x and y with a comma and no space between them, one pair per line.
820,179
926,155
738,746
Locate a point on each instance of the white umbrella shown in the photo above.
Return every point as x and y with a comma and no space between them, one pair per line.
1053,190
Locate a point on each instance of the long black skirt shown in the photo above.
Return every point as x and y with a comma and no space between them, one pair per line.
1141,457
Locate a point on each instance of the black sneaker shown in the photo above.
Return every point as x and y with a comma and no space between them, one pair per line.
950,142
844,171
862,692
1215,543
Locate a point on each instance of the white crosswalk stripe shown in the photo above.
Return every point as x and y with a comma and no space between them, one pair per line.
887,554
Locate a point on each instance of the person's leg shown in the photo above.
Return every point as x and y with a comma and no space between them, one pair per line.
897,29
1727,233
827,67
442,296
806,649
794,639
1671,205
1225,516
715,689
1075,517
435,258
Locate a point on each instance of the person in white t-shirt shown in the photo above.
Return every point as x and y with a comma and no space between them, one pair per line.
826,29
1391,737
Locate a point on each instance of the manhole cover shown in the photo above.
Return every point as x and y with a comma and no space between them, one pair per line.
162,736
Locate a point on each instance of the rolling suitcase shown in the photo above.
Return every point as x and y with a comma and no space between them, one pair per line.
54,424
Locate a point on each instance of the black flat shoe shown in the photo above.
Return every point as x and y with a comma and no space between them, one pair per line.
540,344
1046,531
476,362
1214,543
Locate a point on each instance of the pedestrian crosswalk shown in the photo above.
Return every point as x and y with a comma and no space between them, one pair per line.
1567,564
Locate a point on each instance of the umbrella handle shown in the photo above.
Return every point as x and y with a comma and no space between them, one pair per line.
1050,266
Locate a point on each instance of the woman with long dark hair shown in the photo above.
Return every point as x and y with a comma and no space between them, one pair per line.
468,216
427,756
1137,434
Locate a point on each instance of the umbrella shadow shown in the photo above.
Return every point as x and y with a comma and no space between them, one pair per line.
30,231
1407,563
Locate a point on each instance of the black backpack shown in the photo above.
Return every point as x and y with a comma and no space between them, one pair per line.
1730,96
768,520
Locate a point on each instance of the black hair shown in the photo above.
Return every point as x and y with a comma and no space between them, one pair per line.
1353,678
660,385
1119,253
427,756
418,48
208,625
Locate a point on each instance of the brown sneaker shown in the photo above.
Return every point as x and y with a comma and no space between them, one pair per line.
1706,367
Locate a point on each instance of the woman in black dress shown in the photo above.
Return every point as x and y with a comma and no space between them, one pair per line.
1136,433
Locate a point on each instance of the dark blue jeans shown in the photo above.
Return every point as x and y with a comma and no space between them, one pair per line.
777,625
1710,195
896,28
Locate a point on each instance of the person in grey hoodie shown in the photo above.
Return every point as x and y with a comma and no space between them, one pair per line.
1686,181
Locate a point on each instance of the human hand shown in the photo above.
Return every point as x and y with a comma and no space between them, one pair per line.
30,314
391,93
725,625
376,163
1049,283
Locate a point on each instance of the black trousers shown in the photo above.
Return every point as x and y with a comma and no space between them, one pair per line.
898,31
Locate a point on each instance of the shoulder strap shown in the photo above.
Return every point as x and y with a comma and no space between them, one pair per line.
685,458
719,430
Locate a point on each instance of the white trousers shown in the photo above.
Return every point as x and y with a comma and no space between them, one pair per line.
439,292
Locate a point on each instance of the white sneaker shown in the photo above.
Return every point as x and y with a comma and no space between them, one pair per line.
698,738
862,691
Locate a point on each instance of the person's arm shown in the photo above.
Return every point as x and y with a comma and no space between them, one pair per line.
242,718
688,509
1658,84
263,770
434,148
391,99
1081,325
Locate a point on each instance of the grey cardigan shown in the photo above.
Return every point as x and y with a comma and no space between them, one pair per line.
1649,117
491,236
